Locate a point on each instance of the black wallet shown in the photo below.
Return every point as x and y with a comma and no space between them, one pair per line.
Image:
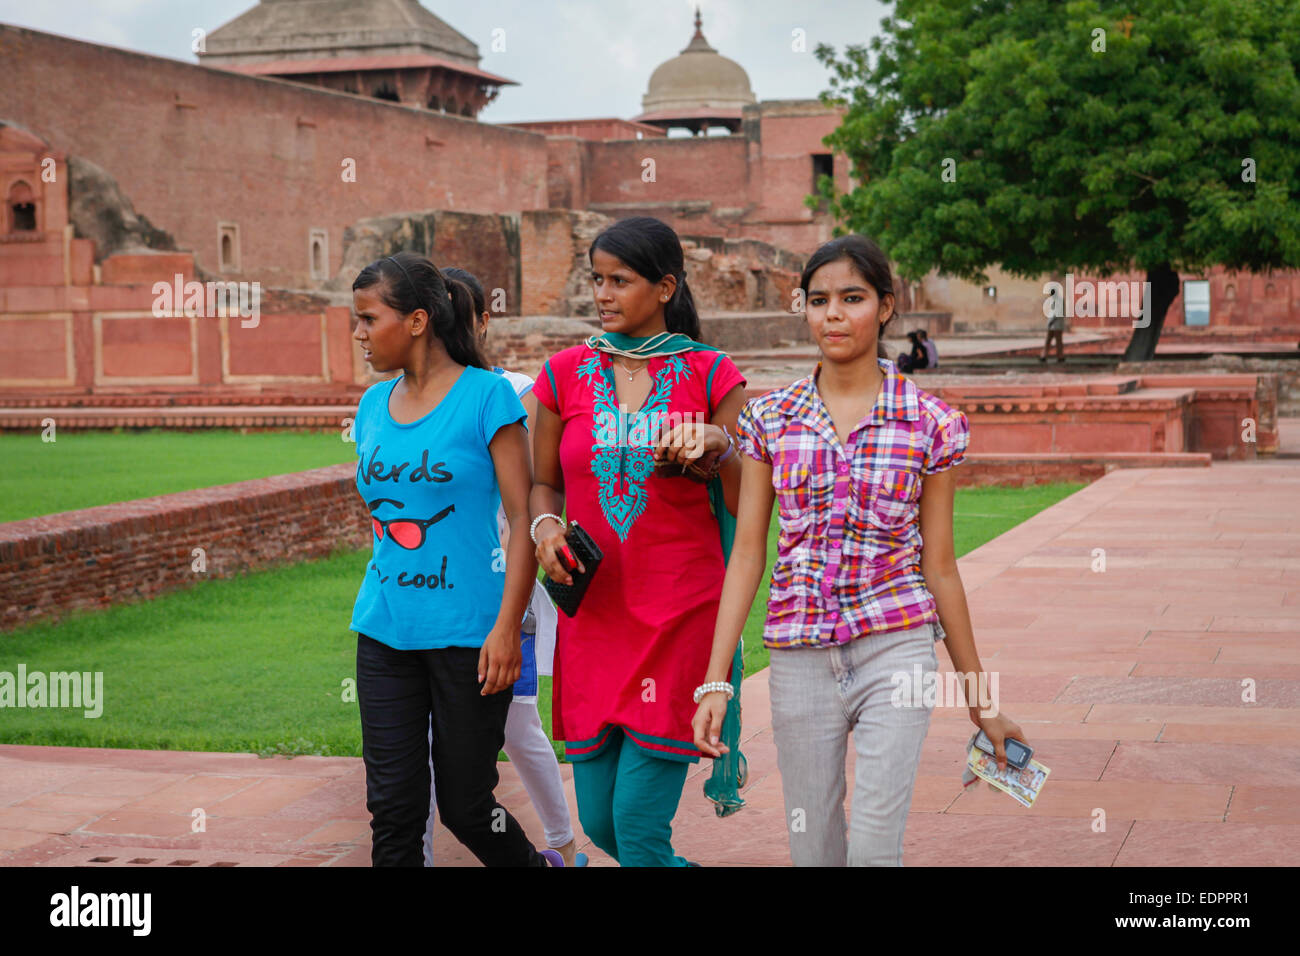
567,597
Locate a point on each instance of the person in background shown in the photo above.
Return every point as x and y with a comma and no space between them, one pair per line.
1055,330
931,350
918,357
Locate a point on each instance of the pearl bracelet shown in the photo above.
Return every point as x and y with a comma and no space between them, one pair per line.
731,447
713,686
532,529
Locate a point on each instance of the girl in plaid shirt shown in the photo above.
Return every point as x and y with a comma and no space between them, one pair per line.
859,461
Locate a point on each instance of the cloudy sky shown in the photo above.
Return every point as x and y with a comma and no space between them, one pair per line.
572,58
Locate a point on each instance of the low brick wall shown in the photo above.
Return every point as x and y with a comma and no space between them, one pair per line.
1147,413
115,553
178,398
112,554
1038,469
280,417
1285,372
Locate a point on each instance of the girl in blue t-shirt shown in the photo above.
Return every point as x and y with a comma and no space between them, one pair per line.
526,743
438,632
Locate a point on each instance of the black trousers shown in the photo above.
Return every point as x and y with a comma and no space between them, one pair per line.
398,693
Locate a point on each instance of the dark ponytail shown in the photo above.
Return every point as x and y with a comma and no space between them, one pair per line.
679,313
471,282
467,349
409,281
870,263
651,249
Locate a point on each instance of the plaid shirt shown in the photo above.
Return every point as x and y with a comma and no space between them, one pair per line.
848,557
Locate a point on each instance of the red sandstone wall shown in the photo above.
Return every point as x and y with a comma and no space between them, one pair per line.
99,337
192,146
1037,469
595,129
709,186
1164,414
139,549
566,173
547,252
785,165
714,169
1236,299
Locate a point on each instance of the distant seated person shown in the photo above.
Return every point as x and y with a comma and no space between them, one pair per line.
917,358
931,350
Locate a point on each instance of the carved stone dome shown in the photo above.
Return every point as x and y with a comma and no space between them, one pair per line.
698,88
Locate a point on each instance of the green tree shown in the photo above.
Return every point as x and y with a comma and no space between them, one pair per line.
1156,135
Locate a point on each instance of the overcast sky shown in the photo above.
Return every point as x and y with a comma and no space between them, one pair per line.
572,58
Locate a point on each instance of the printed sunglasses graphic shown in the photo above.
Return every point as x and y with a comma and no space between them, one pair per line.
408,533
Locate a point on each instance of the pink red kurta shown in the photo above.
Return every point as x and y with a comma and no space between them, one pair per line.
640,642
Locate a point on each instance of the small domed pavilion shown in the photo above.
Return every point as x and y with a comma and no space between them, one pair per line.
698,89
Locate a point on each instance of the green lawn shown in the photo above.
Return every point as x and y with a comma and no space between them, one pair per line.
259,662
84,469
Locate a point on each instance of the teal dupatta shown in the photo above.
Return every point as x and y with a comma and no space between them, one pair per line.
731,770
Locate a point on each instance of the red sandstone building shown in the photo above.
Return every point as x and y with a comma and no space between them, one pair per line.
302,146
307,138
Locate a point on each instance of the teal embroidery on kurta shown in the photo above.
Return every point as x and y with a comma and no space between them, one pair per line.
622,457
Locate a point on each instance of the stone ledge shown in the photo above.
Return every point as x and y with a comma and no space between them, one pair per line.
1117,459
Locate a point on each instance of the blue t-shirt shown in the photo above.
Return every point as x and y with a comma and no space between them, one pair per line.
437,573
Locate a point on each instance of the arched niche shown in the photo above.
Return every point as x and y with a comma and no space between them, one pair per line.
20,209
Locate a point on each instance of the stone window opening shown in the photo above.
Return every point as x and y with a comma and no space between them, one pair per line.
318,253
823,164
1196,302
228,247
22,208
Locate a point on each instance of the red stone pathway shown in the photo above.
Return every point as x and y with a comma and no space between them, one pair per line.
1128,682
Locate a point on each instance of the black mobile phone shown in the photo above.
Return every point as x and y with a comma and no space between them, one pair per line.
1018,752
567,597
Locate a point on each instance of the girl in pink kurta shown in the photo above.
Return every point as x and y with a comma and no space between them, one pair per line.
627,662
634,653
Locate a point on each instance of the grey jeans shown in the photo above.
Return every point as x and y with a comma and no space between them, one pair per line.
820,695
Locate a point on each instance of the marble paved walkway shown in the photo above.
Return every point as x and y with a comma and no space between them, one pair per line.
1128,681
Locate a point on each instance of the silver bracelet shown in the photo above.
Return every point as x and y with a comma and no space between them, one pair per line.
532,529
713,686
